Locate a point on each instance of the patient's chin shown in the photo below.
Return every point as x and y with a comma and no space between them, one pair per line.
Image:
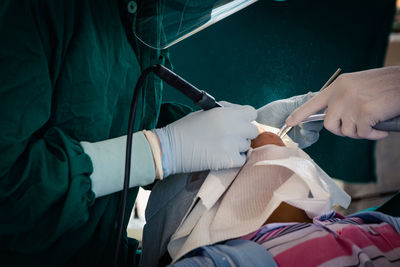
287,213
266,138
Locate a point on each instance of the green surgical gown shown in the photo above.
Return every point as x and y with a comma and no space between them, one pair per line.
67,73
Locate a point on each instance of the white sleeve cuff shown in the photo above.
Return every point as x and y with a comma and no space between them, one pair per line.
155,146
108,159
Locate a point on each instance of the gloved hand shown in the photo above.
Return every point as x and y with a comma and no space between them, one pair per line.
208,140
355,102
275,113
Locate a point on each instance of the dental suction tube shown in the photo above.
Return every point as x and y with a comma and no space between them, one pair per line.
199,97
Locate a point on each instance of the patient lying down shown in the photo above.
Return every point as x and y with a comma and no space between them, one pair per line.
278,183
275,210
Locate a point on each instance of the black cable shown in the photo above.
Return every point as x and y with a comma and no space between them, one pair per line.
124,193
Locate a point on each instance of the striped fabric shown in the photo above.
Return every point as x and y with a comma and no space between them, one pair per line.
331,240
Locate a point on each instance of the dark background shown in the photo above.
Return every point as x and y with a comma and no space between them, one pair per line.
273,50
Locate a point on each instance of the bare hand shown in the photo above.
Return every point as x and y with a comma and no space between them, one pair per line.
356,102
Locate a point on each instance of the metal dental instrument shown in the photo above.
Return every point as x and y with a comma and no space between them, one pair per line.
392,125
285,129
314,117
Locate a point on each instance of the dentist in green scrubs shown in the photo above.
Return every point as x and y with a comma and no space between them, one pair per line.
67,73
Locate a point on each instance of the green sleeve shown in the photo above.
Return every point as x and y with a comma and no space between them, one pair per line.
45,187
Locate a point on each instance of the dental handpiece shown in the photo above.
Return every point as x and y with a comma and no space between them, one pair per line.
392,125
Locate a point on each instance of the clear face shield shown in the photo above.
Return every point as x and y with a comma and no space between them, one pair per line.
162,23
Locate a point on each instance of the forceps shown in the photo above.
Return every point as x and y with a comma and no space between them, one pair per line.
316,117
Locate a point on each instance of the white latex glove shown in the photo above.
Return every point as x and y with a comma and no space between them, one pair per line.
208,140
355,102
275,113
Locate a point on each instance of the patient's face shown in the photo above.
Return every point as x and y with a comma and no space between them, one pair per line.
266,138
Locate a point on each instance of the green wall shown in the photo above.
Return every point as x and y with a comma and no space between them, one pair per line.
274,50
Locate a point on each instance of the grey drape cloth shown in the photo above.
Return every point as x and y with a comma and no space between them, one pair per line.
168,203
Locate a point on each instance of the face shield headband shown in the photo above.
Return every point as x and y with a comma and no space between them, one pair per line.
161,23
